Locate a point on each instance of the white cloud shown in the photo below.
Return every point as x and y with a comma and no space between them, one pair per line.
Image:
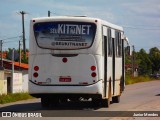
7,28
147,7
144,13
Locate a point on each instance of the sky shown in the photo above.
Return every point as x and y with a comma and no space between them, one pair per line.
139,18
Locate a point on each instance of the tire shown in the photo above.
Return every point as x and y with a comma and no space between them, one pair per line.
105,103
96,102
116,99
45,102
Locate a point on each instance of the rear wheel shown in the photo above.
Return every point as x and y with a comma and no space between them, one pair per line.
105,102
96,102
45,102
116,99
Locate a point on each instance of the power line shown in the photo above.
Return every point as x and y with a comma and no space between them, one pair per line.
10,38
11,41
131,27
141,25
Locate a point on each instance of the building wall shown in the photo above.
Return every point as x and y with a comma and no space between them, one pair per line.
25,83
1,74
3,84
6,82
3,87
25,80
17,82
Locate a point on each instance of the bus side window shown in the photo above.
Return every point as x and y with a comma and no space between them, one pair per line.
109,42
104,40
118,44
105,44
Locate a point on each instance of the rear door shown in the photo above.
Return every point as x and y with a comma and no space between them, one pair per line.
105,58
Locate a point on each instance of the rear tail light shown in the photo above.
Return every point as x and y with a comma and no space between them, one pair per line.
93,68
64,60
35,74
36,68
93,74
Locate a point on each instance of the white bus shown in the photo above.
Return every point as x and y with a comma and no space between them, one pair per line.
74,58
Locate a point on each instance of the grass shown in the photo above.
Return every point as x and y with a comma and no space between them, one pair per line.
14,97
132,80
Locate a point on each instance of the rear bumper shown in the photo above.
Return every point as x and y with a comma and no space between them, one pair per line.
64,95
87,90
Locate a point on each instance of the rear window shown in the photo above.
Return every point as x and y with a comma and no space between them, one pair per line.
64,35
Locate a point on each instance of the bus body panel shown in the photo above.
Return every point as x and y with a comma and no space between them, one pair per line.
77,69
88,89
118,68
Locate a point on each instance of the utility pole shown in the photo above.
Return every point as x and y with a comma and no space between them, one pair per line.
23,31
19,54
1,43
13,50
49,13
133,60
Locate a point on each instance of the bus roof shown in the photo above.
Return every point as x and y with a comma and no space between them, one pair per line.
78,18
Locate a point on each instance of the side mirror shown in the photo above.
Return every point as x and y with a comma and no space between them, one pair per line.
128,50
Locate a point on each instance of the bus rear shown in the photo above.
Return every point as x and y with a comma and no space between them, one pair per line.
63,64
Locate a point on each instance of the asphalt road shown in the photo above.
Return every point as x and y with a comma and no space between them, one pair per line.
137,97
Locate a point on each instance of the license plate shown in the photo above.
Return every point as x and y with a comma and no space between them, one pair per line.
64,79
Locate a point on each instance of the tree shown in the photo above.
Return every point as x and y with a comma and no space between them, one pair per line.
154,55
9,54
144,62
24,58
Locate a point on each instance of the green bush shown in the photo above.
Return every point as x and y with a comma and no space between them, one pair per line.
14,97
131,80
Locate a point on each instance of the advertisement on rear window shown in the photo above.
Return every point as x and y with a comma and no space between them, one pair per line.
64,35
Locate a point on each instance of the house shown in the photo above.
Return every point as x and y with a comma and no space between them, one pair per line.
129,69
12,81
